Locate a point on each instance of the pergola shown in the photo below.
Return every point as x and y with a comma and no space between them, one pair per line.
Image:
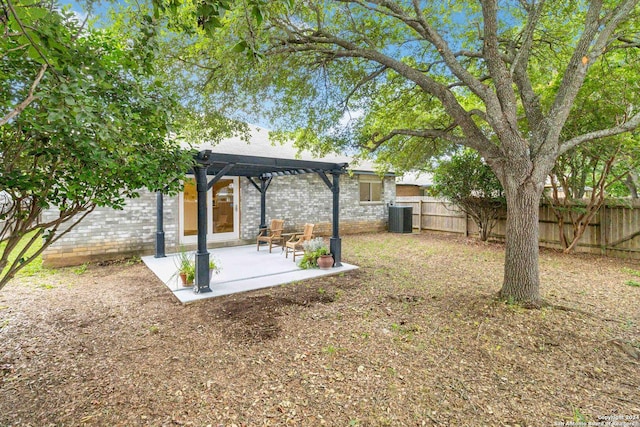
211,167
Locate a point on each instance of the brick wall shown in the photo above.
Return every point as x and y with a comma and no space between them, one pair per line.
306,198
108,233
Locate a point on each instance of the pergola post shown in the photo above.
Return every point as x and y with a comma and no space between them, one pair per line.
159,226
265,181
202,255
264,184
335,243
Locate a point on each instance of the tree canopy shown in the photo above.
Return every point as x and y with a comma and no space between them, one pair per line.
85,123
584,176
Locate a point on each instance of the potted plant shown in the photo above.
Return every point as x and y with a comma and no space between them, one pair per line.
186,268
325,261
316,254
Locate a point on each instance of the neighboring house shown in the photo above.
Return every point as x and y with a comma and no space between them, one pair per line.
548,188
413,184
233,213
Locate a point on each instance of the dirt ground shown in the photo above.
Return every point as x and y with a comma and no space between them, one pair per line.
414,337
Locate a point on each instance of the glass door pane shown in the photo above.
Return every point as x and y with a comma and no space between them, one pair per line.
222,206
190,207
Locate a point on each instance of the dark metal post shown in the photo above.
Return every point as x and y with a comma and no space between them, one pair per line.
263,202
202,255
159,226
335,243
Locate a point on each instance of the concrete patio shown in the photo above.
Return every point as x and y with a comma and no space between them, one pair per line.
242,269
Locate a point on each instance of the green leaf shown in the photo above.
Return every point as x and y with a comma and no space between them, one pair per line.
240,47
257,14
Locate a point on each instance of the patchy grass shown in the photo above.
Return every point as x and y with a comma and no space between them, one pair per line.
631,271
415,337
35,267
81,269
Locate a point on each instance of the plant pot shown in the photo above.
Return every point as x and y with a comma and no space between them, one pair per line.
325,262
183,280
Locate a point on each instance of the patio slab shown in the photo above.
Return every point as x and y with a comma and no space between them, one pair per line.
242,269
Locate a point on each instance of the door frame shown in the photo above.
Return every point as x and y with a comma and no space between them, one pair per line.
212,237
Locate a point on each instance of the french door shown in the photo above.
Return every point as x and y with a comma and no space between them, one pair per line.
222,211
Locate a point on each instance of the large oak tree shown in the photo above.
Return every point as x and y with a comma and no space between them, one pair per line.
416,77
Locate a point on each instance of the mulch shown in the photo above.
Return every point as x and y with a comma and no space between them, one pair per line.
414,337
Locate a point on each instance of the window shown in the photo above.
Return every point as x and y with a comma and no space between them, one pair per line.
370,188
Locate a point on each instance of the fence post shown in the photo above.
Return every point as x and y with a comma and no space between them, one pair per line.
420,215
466,225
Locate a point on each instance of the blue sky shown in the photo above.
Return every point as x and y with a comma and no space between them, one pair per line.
99,9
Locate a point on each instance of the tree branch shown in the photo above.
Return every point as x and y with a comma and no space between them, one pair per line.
28,100
24,31
504,116
433,37
19,261
627,126
530,100
364,81
421,133
315,41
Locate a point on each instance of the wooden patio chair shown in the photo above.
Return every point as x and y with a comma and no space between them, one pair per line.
272,235
294,244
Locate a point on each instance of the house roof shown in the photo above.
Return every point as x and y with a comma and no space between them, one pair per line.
420,179
262,157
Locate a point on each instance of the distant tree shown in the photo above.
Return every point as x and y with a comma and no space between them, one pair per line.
467,181
584,176
581,182
84,123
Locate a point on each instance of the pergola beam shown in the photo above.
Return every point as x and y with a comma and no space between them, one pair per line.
219,175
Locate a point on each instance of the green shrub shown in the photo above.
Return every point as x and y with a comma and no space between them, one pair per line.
313,249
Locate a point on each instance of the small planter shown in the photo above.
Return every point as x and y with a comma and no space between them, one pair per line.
325,262
183,279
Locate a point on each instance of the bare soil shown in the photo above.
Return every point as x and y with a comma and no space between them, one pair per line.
415,337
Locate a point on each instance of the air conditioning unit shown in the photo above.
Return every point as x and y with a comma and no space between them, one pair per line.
400,219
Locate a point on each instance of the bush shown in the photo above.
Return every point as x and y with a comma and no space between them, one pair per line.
467,181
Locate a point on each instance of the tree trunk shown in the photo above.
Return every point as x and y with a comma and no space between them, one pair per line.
564,240
632,184
521,273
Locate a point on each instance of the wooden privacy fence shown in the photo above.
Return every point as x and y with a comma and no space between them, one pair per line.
614,231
